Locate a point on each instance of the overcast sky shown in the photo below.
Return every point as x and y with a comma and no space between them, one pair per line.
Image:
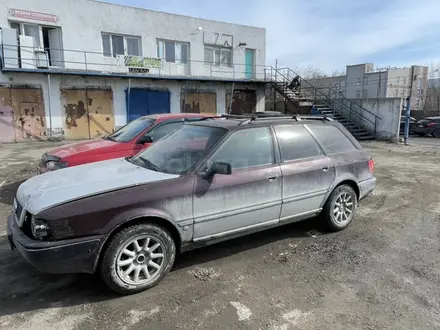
327,34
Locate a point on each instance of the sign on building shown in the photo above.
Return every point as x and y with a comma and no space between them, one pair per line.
33,15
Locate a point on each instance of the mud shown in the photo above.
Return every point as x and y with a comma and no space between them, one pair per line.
380,273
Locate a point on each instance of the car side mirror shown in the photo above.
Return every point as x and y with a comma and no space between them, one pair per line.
145,139
214,168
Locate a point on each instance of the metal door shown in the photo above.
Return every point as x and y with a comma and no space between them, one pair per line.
142,102
249,63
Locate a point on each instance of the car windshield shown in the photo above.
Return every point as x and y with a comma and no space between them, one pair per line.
131,130
179,151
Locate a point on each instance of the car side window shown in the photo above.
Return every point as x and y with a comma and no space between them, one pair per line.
331,139
163,130
296,142
247,148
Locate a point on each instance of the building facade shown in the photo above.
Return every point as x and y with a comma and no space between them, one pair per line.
363,81
81,68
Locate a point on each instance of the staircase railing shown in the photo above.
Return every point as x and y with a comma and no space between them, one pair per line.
354,113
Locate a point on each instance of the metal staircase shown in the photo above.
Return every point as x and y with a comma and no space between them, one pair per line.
361,122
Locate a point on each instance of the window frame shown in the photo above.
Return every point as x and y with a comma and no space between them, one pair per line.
274,149
21,32
213,49
175,42
125,37
278,145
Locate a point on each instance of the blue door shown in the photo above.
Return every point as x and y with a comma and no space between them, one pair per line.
249,63
142,102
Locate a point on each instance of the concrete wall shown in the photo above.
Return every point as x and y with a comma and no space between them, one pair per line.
53,107
389,111
83,21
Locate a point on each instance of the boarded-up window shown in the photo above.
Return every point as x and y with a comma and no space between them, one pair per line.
199,102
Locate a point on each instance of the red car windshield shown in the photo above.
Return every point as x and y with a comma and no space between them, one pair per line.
131,130
179,151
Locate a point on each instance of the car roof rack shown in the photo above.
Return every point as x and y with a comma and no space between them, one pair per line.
256,116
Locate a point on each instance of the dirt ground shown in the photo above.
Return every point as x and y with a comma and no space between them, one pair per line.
380,273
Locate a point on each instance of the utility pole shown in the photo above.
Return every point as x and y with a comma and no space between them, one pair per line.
275,90
407,116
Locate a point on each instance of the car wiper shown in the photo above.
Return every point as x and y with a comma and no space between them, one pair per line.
150,165
109,138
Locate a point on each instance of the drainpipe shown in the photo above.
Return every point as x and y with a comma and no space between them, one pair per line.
128,99
50,105
232,96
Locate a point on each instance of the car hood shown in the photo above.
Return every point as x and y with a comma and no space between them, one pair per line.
96,146
65,185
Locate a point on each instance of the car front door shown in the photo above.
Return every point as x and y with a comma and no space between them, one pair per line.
307,173
248,198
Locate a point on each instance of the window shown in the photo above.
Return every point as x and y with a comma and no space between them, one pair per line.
218,56
365,93
365,80
163,130
402,93
247,148
296,143
331,138
358,94
114,45
404,81
172,52
131,130
358,81
398,80
396,92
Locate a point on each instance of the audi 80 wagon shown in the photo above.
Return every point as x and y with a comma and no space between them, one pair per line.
209,181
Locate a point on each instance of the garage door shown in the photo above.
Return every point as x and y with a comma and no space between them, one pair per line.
243,102
142,102
88,113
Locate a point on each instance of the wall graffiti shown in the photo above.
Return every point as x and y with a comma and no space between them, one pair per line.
22,115
199,102
89,112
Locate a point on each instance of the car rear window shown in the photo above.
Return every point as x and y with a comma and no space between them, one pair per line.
331,139
296,143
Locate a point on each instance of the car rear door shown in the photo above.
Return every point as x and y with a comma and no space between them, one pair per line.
307,173
248,198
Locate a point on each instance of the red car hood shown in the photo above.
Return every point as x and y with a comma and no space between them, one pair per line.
97,146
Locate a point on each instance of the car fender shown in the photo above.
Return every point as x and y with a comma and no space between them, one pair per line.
339,179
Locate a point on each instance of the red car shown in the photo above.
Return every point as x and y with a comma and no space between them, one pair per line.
125,142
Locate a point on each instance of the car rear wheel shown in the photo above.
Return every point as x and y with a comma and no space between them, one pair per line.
340,208
137,258
436,133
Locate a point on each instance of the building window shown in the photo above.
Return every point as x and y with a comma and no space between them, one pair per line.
218,56
365,93
398,80
358,81
402,93
358,94
115,44
396,92
365,80
404,81
172,51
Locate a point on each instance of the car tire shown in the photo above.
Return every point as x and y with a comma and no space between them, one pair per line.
137,258
436,133
346,197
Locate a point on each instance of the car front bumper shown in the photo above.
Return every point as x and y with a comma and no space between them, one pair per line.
79,255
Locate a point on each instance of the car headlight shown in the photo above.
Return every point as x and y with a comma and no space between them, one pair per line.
39,228
52,165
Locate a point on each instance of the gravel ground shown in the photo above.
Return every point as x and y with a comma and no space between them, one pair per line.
380,273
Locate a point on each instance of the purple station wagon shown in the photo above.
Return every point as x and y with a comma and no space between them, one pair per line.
211,180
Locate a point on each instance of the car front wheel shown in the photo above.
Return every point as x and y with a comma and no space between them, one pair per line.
340,208
137,258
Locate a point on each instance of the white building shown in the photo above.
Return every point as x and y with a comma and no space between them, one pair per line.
363,81
82,68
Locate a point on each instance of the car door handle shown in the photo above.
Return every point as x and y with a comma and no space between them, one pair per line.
325,168
271,176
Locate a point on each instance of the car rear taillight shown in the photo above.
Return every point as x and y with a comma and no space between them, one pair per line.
371,165
431,124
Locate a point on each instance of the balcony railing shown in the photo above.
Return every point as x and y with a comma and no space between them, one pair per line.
27,58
